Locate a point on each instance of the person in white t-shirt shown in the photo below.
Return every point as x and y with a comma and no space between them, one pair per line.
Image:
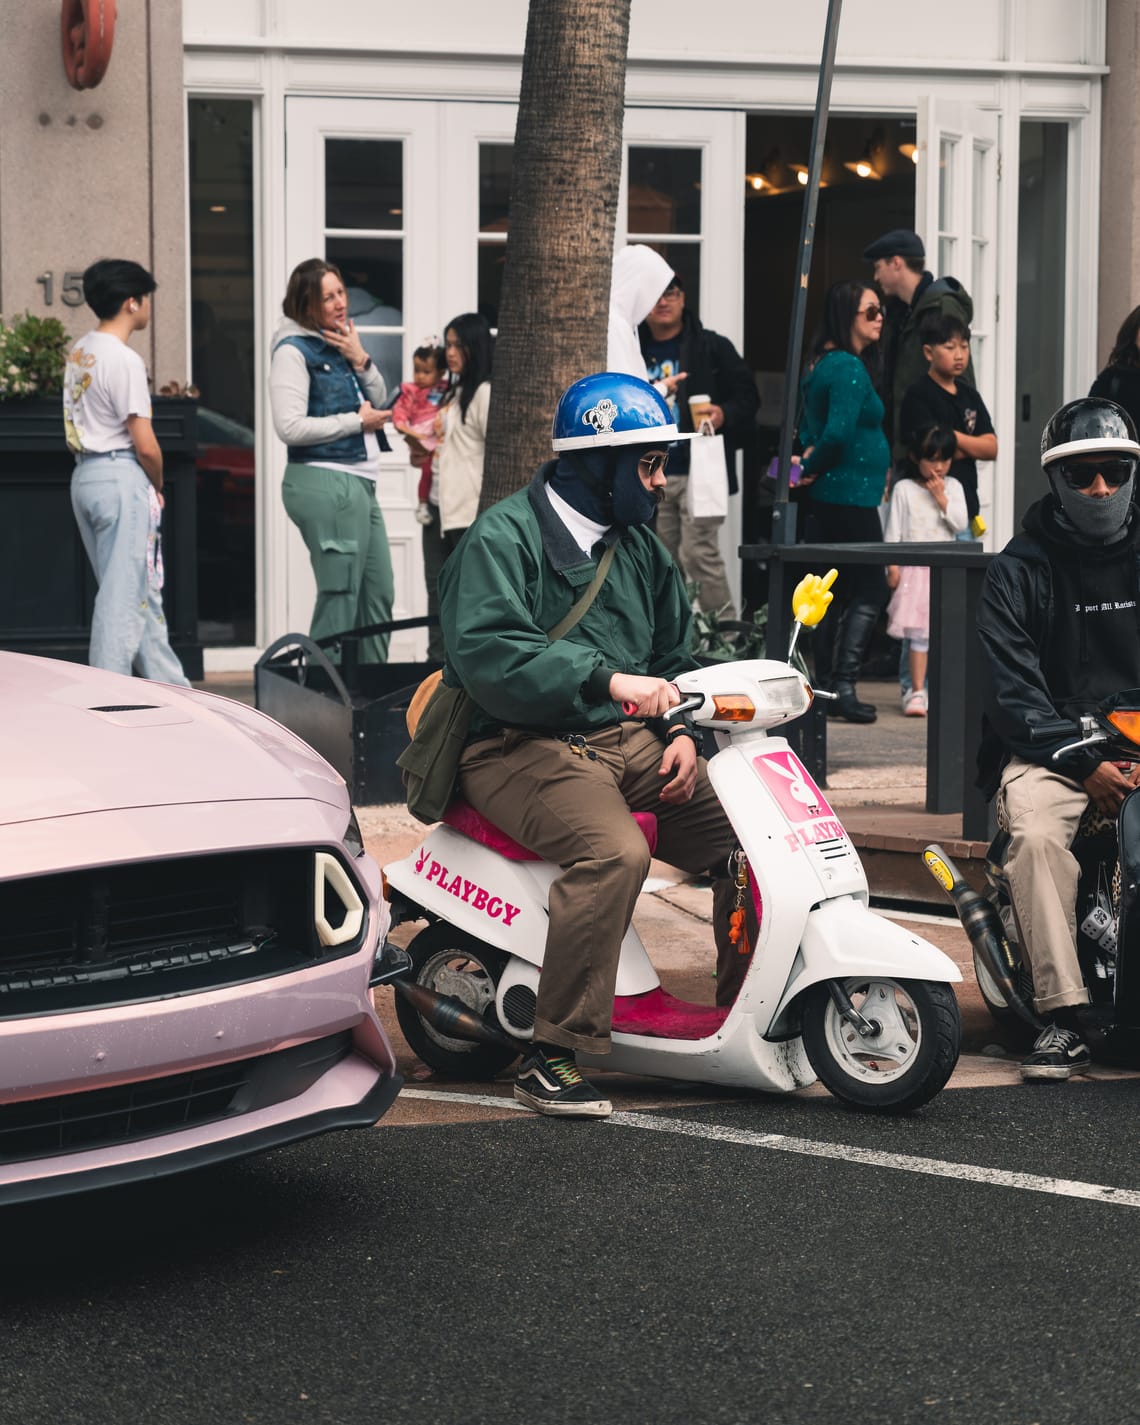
116,491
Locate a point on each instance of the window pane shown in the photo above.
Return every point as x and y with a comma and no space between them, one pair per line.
494,186
947,256
387,350
664,190
492,258
222,276
364,183
979,216
373,271
685,260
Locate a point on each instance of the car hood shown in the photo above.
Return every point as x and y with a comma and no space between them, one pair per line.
75,739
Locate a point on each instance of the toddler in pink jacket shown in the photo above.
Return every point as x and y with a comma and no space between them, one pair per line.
415,410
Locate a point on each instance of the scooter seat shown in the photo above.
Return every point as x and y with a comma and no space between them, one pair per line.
462,817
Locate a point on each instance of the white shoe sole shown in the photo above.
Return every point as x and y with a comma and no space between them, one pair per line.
593,1108
1047,1073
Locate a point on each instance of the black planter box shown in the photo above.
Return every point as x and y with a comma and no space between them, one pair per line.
47,586
360,728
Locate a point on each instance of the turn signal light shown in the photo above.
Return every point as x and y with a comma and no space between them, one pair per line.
1127,721
733,707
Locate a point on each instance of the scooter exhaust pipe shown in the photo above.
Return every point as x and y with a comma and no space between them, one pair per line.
982,924
451,1016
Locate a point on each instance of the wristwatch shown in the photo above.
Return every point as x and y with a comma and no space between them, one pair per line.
360,370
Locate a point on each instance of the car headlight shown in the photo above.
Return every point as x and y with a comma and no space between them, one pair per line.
353,837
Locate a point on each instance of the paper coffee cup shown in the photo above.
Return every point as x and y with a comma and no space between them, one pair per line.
698,409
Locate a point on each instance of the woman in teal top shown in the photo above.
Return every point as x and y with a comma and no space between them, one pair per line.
846,461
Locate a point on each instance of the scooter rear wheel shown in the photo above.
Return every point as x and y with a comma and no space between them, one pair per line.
901,1066
452,963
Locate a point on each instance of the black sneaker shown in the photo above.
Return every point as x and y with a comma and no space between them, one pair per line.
1057,1054
552,1084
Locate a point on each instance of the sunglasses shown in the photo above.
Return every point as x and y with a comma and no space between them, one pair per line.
1081,476
671,293
649,465
872,311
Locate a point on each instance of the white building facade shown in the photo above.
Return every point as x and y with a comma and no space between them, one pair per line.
389,154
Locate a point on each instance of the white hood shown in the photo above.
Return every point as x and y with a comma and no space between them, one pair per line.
288,327
640,275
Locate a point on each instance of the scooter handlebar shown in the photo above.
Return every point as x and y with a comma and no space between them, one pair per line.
1050,731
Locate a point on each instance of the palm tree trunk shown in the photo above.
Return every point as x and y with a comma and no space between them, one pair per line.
565,175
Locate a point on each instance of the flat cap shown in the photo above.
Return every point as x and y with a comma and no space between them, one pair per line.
899,242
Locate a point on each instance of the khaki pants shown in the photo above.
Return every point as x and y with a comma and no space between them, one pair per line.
695,547
576,811
1041,811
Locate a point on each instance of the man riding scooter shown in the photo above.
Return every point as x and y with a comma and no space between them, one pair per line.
1059,626
552,759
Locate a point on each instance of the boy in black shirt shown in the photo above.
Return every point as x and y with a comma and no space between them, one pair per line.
942,398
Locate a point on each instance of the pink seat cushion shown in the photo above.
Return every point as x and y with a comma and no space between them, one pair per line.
659,1015
465,819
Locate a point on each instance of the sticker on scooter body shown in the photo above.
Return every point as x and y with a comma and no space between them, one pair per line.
469,892
804,807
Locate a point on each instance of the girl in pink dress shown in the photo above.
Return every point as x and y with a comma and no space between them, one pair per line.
927,505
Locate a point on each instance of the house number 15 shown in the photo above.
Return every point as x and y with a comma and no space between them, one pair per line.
71,293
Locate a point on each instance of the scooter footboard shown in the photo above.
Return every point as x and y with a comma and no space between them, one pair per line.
842,939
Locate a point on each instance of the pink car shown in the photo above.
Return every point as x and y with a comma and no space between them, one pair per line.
188,928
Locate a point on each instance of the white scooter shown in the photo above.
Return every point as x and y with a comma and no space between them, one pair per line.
833,990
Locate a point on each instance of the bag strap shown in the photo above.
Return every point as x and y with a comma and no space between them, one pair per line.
564,625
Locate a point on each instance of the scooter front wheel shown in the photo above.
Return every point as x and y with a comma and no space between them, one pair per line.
450,962
915,1038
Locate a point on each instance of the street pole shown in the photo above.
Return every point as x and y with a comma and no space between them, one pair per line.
783,511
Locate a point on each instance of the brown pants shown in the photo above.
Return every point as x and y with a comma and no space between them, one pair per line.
1041,811
576,811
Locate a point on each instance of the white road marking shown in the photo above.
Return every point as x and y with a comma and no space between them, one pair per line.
935,1167
808,1147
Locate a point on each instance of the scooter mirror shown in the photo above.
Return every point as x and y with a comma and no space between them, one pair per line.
811,597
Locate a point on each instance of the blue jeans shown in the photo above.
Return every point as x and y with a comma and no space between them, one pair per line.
112,509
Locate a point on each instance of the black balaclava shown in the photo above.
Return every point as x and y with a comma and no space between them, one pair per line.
604,485
1095,521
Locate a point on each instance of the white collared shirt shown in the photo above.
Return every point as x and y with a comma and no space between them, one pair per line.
584,532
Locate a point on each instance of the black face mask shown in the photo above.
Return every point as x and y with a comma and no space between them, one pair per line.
633,503
604,484
584,479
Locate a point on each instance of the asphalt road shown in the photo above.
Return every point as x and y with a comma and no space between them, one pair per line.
517,1269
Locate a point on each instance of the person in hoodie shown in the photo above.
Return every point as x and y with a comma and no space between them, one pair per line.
640,275
673,341
1059,629
567,735
898,261
327,398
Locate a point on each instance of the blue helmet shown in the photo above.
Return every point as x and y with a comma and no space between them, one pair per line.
611,408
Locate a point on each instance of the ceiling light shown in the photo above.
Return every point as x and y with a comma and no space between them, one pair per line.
217,207
756,181
909,150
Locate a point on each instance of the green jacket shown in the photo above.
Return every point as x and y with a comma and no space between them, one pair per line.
942,294
514,575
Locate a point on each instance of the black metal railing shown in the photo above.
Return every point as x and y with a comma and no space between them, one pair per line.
954,724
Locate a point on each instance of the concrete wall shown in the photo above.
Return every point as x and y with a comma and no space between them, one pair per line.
95,173
1120,174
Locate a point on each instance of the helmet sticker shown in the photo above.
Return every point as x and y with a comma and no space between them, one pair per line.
601,416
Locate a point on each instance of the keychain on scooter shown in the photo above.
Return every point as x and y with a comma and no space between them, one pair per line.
578,745
737,931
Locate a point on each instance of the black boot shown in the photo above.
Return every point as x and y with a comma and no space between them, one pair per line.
858,627
823,640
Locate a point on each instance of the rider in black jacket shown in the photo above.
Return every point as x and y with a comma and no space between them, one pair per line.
1059,627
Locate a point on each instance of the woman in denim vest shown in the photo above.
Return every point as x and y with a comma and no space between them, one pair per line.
326,395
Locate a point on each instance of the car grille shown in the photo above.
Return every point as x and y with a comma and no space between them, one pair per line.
100,1118
82,939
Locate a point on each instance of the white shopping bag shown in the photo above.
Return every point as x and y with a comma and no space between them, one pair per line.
707,495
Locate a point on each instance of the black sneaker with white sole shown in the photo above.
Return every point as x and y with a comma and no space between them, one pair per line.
1057,1053
551,1083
